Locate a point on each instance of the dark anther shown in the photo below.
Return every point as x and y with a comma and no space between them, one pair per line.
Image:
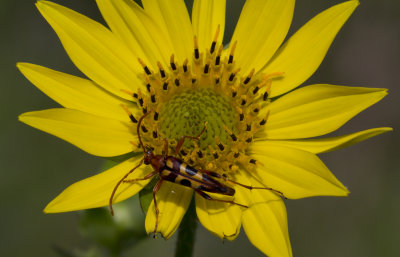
252,161
216,80
212,49
230,166
148,86
144,110
255,90
165,86
217,60
146,69
247,80
191,162
155,134
162,73
215,155
221,146
232,76
196,53
133,119
243,102
135,95
263,122
173,66
206,67
248,127
155,116
200,154
230,59
183,153
141,102
193,81
153,98
241,117
144,129
234,138
185,68
177,82
265,96
249,140
256,110
234,93
236,155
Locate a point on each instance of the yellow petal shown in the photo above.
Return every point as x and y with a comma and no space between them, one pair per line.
221,219
75,93
95,135
266,227
261,28
137,29
317,110
296,173
96,191
172,201
94,49
173,18
302,54
207,15
265,221
323,145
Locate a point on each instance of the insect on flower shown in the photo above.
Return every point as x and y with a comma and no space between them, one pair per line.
175,170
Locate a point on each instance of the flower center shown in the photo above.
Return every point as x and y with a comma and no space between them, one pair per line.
208,89
186,113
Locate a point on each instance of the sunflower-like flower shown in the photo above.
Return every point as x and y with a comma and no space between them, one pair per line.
156,61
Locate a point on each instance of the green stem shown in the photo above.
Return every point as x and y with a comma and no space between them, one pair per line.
187,233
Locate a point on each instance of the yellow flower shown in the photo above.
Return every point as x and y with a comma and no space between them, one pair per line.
156,60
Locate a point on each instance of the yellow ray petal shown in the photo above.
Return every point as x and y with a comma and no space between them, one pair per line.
317,110
96,191
207,15
266,222
266,227
137,29
173,18
76,93
94,49
172,201
261,28
296,173
323,145
221,219
302,54
95,135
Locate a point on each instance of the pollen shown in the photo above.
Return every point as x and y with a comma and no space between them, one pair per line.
208,89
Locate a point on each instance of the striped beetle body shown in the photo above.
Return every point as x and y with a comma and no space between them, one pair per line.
173,169
181,173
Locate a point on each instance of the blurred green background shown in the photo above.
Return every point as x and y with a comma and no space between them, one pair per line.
37,166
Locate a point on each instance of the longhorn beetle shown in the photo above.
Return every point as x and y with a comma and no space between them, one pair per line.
173,169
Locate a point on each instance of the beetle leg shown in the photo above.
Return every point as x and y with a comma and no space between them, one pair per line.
182,140
251,187
165,147
155,190
150,175
207,197
117,185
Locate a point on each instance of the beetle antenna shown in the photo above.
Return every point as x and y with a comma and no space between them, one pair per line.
119,183
138,129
